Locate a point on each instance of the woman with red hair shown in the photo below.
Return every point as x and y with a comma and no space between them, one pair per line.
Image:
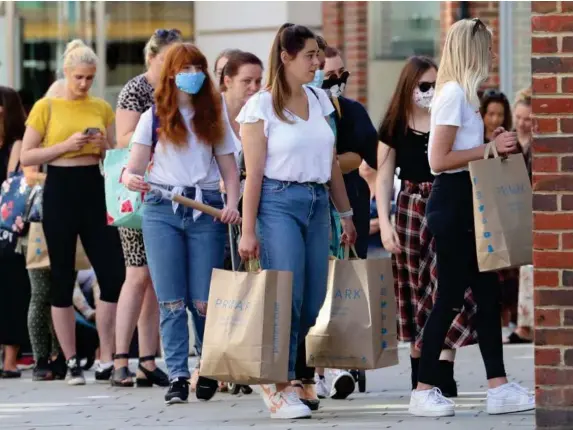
187,127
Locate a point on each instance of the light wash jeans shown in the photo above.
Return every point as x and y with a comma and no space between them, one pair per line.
181,255
293,227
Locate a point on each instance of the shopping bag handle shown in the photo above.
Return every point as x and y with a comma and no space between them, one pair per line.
347,249
490,147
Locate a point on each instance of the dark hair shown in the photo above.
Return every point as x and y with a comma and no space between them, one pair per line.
322,44
331,52
290,38
13,117
234,63
226,53
492,95
395,122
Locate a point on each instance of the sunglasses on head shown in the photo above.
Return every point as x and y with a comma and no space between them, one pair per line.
478,25
425,86
168,35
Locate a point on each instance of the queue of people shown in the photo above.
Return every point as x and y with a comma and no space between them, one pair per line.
311,156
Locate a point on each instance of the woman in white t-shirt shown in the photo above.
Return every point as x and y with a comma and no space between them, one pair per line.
456,138
183,245
290,157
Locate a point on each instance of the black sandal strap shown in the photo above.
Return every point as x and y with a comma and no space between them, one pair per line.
122,374
147,358
297,384
120,356
308,382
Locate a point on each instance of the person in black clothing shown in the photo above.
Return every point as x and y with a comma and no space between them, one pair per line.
404,134
356,142
14,282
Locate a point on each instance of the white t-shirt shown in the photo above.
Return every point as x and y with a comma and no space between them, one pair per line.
181,166
450,107
298,152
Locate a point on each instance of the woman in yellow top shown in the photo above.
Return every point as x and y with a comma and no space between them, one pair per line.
71,135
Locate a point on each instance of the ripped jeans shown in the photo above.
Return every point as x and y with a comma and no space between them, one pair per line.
181,255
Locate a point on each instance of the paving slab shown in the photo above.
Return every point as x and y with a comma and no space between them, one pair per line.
29,405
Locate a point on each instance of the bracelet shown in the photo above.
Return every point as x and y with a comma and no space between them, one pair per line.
347,214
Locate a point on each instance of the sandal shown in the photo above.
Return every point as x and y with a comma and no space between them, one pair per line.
155,376
121,377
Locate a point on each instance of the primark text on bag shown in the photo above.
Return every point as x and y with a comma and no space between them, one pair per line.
356,326
247,330
503,211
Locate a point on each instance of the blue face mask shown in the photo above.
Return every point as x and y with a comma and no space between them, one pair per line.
318,79
190,82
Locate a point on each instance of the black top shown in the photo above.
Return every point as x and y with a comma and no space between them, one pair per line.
4,158
411,155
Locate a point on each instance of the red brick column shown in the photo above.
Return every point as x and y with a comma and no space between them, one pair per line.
552,61
345,26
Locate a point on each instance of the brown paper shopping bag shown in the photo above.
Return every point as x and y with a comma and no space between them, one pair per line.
247,331
503,211
356,326
37,253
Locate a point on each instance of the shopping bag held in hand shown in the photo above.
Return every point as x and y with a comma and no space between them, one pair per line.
37,254
503,211
124,207
356,326
247,331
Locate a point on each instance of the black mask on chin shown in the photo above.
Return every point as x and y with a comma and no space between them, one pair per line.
335,85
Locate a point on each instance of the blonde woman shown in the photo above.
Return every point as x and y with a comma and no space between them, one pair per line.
456,138
71,135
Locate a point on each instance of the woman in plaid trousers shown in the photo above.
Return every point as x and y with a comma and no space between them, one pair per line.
404,136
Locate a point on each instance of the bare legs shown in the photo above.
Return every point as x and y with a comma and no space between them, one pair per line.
137,305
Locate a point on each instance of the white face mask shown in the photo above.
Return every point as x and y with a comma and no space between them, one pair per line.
423,100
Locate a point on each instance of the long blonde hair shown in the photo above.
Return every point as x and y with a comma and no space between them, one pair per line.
466,57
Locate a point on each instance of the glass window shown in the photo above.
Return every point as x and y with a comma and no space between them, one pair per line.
402,29
522,46
45,28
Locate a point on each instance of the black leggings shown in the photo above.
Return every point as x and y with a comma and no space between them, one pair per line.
74,205
450,218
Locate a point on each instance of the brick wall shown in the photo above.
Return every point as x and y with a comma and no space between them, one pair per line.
551,63
345,26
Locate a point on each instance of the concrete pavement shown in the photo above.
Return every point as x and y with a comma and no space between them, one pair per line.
54,405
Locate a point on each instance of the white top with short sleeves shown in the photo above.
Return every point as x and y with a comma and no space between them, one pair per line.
298,152
451,107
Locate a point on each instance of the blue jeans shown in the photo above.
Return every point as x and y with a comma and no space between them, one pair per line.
293,226
181,255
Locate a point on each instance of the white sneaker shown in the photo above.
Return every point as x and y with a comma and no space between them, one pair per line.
343,385
322,391
508,398
430,403
284,405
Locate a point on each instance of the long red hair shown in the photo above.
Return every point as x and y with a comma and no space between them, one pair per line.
207,122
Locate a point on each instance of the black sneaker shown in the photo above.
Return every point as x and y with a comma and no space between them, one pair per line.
178,391
76,373
343,385
103,374
59,367
42,371
206,388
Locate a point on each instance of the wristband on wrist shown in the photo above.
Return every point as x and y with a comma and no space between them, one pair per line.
346,214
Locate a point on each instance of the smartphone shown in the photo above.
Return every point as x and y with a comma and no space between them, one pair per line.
91,131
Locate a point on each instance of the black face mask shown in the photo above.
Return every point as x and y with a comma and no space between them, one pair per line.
335,85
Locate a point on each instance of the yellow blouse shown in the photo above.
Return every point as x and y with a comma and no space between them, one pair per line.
57,119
